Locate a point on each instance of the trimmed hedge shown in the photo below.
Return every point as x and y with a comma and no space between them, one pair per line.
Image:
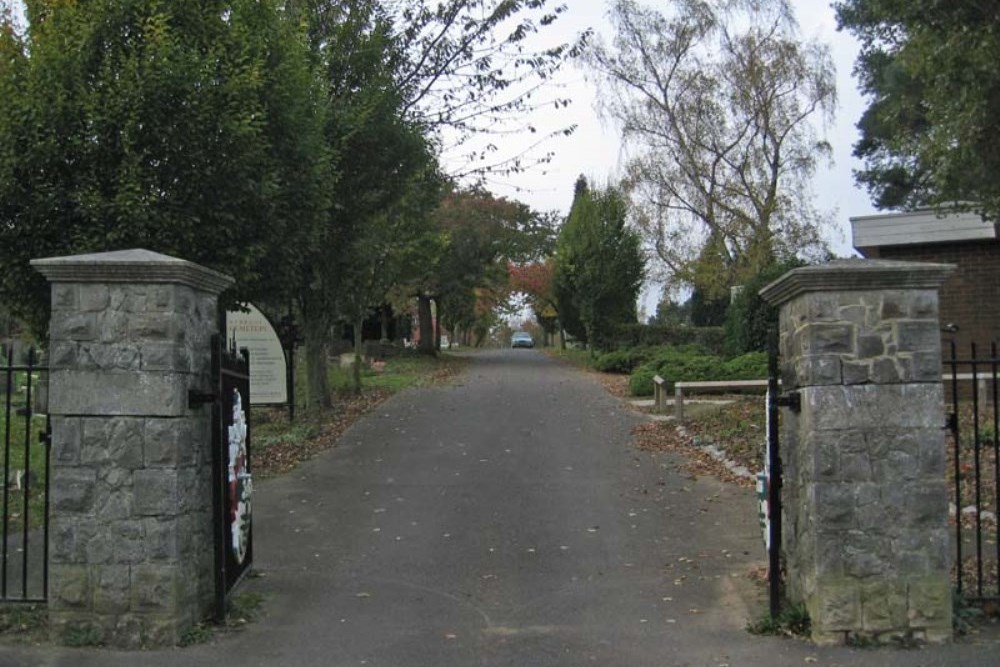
649,335
625,360
691,364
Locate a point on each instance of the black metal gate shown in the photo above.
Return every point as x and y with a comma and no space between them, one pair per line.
772,475
25,476
974,471
233,486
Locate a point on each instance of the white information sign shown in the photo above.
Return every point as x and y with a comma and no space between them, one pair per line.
268,383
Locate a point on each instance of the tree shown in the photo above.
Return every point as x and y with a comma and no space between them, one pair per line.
716,101
749,319
483,234
188,128
599,265
471,73
535,281
930,134
386,170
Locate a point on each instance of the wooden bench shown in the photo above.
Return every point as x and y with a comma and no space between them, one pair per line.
660,391
719,385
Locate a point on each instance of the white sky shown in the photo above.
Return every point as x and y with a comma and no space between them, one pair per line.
593,150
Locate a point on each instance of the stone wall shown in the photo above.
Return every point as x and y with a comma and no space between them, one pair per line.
866,540
131,555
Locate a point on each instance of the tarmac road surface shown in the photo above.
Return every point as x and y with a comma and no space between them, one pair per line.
502,521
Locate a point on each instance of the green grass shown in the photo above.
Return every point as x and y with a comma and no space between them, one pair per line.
792,620
24,623
15,431
575,356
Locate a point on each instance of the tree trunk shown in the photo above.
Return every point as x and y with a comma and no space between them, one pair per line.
359,350
386,312
437,326
317,385
426,326
562,337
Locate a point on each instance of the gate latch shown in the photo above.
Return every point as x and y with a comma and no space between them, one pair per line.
196,398
791,400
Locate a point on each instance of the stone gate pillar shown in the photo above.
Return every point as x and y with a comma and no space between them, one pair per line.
131,560
866,539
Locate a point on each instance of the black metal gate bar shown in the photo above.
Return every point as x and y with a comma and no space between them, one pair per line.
977,483
26,486
26,481
955,431
6,466
974,473
996,456
774,509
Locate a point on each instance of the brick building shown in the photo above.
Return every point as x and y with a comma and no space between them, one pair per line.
970,297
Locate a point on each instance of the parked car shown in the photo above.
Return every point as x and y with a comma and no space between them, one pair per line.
522,339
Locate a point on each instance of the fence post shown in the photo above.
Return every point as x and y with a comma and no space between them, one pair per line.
866,540
131,555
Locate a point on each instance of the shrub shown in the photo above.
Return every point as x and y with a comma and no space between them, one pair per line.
692,363
750,366
623,361
749,318
679,363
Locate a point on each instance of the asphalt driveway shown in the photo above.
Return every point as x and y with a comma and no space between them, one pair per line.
502,521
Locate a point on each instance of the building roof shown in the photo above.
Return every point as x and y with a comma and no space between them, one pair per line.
920,227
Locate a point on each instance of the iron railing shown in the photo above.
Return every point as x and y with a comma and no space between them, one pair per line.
24,506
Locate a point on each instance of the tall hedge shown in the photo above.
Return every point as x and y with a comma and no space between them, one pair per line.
749,317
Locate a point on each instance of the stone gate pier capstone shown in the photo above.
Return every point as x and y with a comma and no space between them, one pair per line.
866,539
131,554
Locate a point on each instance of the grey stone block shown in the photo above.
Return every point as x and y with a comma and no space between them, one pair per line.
72,489
153,327
154,587
123,393
918,335
870,346
73,326
111,593
162,541
170,442
70,586
834,505
64,355
129,542
817,370
895,305
157,492
69,537
166,357
824,338
855,372
864,407
885,371
117,441
106,357
93,298
65,297
67,437
924,305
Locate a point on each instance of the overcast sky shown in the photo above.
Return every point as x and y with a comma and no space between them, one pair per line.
594,149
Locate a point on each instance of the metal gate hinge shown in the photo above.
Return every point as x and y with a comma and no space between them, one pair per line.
792,400
196,398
